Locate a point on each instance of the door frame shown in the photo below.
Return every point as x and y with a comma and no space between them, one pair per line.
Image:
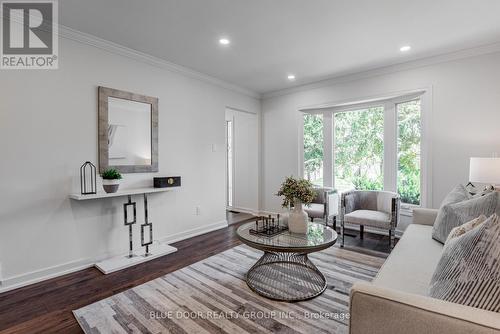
229,118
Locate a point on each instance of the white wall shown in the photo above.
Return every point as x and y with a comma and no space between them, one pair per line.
48,128
464,121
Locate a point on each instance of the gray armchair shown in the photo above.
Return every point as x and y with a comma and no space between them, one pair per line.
324,205
379,209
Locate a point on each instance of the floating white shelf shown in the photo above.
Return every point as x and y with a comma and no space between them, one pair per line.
123,261
119,193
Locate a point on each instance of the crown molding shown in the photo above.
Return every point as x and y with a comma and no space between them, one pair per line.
121,50
377,71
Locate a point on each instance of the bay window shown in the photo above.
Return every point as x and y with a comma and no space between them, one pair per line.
367,146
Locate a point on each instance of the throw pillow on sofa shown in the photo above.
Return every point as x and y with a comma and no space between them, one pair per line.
459,208
468,272
462,229
458,194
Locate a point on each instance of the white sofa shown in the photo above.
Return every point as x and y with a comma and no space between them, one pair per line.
397,300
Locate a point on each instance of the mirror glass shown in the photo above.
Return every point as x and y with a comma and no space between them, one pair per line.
129,132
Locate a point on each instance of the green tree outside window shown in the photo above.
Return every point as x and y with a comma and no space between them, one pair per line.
313,148
359,149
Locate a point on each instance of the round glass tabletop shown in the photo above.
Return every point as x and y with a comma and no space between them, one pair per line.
319,237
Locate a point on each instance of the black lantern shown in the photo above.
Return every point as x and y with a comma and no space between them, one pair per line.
88,178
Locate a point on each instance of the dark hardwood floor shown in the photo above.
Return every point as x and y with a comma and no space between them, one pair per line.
46,307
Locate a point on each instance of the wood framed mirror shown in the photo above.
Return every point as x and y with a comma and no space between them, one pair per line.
127,131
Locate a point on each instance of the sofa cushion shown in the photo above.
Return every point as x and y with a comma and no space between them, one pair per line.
315,210
452,215
412,262
369,218
468,272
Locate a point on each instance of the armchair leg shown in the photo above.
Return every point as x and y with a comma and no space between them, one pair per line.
342,233
312,219
361,231
391,238
335,223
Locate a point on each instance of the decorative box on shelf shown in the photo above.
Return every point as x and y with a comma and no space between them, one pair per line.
167,181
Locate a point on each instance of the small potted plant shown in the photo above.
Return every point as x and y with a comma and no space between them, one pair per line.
296,192
111,180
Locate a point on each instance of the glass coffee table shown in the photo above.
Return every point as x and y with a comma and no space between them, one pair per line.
284,272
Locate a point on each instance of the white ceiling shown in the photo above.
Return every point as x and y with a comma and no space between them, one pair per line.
314,39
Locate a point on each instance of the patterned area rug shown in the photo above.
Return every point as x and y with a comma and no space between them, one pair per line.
211,296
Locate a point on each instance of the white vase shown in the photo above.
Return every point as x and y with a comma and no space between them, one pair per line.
297,219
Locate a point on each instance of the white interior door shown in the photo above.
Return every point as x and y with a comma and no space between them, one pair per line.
242,154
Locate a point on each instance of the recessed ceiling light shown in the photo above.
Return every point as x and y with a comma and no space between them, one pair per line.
291,77
224,41
405,48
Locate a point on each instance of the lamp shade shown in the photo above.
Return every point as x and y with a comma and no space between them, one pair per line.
484,170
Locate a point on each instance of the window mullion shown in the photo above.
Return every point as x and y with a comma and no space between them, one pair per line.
390,147
328,149
300,117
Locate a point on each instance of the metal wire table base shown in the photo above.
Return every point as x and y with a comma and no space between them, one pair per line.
287,277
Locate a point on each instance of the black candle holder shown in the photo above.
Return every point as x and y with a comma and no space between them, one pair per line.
88,183
268,226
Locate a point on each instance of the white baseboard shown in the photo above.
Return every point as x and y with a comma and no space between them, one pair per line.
254,212
36,276
18,281
194,232
243,210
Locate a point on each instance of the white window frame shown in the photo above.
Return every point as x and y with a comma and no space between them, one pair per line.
390,140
